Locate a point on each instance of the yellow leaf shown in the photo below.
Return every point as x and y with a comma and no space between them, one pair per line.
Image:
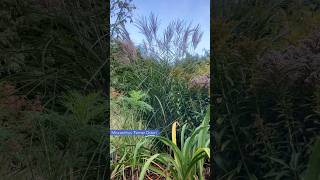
174,132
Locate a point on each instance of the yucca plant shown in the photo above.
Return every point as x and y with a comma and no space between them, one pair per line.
188,160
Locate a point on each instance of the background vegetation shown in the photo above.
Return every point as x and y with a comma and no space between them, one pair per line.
52,106
158,86
266,88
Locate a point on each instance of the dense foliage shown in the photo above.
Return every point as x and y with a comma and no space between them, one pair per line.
153,94
160,86
52,109
266,88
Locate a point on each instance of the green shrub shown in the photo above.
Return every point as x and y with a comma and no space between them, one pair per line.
265,103
188,160
169,95
61,145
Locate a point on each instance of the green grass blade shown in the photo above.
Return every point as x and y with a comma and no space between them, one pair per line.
146,166
182,135
313,171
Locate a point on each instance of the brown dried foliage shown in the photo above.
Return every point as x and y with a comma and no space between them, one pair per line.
17,103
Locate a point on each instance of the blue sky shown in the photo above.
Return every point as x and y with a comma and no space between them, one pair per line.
195,11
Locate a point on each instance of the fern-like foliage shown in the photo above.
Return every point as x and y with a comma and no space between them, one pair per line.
84,108
136,100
